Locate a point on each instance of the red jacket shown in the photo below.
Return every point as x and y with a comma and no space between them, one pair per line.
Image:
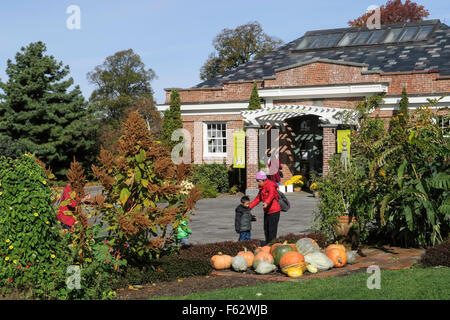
268,194
69,220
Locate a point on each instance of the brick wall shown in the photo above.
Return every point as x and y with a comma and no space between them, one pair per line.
320,73
329,147
194,124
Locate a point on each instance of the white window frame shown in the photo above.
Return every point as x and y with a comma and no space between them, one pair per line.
206,153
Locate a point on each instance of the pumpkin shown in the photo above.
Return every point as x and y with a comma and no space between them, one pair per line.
265,267
311,268
279,252
338,257
302,265
351,257
262,249
221,261
294,272
290,258
306,246
273,247
319,260
239,263
262,256
335,246
248,255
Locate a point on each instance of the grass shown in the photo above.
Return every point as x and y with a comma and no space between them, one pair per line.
414,284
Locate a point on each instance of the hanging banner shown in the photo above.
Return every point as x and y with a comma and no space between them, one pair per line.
341,135
239,149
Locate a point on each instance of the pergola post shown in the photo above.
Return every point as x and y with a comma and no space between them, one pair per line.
251,161
329,145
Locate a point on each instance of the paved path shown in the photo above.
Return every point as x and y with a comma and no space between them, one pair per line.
214,219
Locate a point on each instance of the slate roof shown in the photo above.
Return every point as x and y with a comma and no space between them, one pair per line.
431,54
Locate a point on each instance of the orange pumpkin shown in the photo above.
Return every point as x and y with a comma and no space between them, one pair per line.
335,246
248,255
291,258
221,261
263,249
265,256
338,256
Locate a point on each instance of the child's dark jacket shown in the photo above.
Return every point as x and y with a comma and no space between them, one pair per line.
243,219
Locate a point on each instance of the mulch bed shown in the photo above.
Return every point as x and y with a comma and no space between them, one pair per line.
186,286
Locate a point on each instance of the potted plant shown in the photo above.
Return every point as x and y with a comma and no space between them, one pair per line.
314,187
294,184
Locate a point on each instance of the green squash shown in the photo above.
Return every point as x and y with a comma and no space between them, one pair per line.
279,252
307,245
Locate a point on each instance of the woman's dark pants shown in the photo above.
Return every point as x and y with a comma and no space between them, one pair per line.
271,225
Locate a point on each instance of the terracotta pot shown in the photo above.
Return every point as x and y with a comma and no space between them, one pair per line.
343,227
298,189
316,194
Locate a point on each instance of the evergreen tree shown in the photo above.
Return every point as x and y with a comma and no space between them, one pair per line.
403,113
172,119
38,110
397,125
254,102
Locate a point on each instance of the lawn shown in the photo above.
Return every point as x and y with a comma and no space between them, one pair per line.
415,283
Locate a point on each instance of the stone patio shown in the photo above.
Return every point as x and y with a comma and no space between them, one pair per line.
214,218
392,258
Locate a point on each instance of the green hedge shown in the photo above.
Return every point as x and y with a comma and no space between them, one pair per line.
213,175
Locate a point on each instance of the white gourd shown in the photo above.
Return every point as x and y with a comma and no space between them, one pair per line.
305,246
311,268
351,257
319,260
239,263
265,267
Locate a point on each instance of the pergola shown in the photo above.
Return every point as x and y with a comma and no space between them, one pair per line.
276,116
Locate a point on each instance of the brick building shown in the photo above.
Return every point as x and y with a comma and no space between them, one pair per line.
308,84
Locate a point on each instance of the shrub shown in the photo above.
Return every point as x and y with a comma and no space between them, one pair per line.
137,176
214,175
167,268
405,186
438,255
206,251
29,238
34,253
398,183
208,191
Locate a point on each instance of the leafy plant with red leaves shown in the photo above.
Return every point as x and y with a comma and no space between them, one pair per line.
137,178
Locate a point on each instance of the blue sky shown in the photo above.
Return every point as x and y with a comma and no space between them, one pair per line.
173,37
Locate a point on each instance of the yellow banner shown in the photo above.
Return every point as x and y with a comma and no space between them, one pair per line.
239,149
341,135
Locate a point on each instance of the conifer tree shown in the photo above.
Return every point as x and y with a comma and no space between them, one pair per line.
254,102
172,119
39,111
403,113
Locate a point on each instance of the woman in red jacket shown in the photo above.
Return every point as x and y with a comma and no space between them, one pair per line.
268,194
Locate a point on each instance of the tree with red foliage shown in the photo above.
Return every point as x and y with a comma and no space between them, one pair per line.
394,11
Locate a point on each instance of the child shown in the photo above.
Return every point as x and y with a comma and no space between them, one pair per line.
183,232
243,219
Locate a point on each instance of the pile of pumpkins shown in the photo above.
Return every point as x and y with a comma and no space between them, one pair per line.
292,259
